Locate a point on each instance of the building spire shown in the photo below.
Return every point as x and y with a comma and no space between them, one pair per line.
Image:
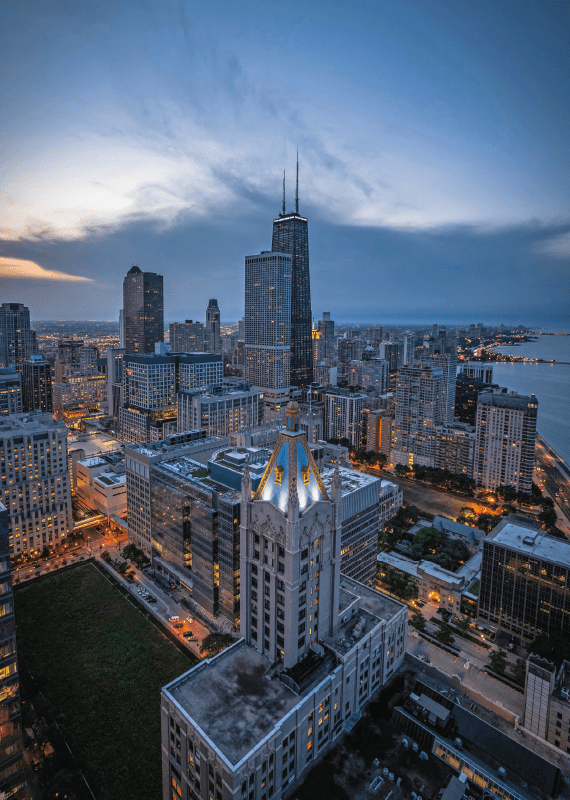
283,192
297,186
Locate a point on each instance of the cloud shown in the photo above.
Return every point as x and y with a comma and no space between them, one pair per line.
26,270
557,246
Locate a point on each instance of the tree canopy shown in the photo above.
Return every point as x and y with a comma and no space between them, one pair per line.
554,646
214,643
437,546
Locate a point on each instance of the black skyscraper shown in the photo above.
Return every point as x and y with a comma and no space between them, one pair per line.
143,313
291,235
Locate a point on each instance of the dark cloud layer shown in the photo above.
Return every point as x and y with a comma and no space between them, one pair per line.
358,273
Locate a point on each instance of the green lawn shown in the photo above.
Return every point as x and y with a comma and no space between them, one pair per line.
101,664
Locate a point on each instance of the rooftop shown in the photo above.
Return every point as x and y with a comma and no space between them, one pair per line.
531,542
236,682
31,421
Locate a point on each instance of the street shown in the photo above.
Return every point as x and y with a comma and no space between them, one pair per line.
554,477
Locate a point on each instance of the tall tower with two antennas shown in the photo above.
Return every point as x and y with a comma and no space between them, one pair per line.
291,235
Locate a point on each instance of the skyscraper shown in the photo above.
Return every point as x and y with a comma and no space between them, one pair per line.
10,391
213,325
291,235
143,310
17,340
418,411
267,325
505,439
326,328
36,384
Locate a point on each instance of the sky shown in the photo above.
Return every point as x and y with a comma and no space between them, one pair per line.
433,154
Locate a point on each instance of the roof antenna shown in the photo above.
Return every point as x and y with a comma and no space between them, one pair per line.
297,187
283,192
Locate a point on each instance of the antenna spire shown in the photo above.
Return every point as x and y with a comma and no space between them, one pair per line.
297,186
283,192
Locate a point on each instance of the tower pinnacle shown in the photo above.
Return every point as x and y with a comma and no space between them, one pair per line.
283,192
297,187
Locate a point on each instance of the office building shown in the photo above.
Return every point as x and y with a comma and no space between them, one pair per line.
318,643
143,311
12,782
481,370
390,352
326,329
213,326
525,576
267,349
17,339
372,375
36,384
455,448
195,535
220,414
35,481
291,235
150,388
343,415
467,391
10,391
505,439
360,522
417,413
138,460
324,374
547,701
189,337
115,361
317,345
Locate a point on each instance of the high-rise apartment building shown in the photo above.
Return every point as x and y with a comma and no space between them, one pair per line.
291,235
150,387
34,481
417,413
455,448
442,354
115,362
36,384
326,329
316,645
12,782
143,311
222,413
505,440
10,391
525,574
379,425
268,325
343,415
213,325
17,339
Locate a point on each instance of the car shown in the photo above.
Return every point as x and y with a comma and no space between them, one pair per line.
422,657
415,633
178,624
188,635
190,620
173,619
151,599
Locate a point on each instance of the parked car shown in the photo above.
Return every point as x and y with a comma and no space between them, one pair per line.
178,624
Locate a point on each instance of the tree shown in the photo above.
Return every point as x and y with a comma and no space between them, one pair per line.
498,661
466,515
382,459
486,522
444,635
548,517
214,643
434,545
399,585
547,502
463,625
555,647
518,671
444,613
402,469
417,621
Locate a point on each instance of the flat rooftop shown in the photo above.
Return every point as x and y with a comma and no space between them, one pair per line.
231,701
531,542
376,603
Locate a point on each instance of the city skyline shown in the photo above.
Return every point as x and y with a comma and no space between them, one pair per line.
437,149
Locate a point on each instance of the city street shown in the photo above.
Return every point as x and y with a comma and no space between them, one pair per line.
554,477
